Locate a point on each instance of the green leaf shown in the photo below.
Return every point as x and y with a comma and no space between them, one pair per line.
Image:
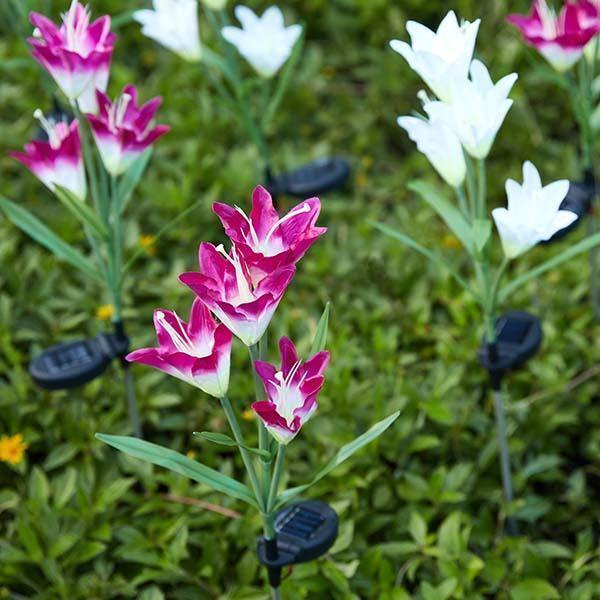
174,461
320,339
343,454
33,227
129,181
534,589
225,440
582,246
481,232
60,455
213,60
81,211
417,528
447,211
434,258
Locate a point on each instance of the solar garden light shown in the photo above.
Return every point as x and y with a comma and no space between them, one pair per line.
242,288
462,122
273,51
94,182
568,39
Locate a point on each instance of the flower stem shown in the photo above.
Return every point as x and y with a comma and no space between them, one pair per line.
256,353
246,458
481,189
277,473
134,416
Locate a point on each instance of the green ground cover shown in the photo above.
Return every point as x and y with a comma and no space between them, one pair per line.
421,509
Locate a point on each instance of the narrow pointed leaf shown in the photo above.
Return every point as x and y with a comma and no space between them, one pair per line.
33,227
225,440
482,230
582,246
130,180
81,211
434,258
174,461
320,339
343,454
447,211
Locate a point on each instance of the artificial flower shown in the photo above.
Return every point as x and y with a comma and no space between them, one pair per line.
226,288
77,54
560,38
265,240
440,58
12,449
174,24
533,213
477,109
122,130
291,390
58,161
438,142
197,352
265,42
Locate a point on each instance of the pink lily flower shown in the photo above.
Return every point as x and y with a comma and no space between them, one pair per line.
291,391
122,130
226,288
561,38
59,161
198,353
266,241
77,54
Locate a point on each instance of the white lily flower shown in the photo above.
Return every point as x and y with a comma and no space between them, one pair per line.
440,58
174,24
477,109
265,42
533,213
440,145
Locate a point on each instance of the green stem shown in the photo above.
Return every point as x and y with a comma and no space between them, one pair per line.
481,189
246,458
277,473
462,201
263,434
471,186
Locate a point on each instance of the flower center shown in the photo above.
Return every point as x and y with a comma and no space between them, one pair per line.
265,246
116,113
288,395
549,20
54,130
180,338
245,292
76,27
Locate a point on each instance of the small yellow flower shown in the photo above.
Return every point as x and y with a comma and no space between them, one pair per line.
147,242
191,454
362,180
248,415
105,312
367,161
451,242
12,449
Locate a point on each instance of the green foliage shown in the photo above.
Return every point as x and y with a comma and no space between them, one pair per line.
421,509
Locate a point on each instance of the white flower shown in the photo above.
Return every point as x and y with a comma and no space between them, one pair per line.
174,24
440,58
440,145
533,213
477,109
265,42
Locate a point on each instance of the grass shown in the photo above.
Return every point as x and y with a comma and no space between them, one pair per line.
421,510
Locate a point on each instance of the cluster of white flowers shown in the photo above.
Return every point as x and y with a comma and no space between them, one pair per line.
265,42
465,117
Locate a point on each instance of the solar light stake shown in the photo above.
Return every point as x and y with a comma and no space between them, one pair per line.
496,385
